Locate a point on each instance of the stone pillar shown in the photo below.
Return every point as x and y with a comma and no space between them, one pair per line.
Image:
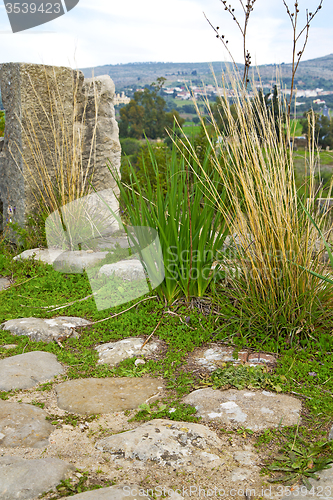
103,133
46,107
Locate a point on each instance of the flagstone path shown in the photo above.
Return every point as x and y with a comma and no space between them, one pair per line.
47,436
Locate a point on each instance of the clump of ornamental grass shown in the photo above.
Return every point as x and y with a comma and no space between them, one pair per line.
272,292
60,151
190,230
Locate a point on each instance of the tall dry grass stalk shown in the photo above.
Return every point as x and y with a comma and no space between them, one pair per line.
60,150
255,163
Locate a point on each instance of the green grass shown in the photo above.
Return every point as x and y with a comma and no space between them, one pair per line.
296,128
304,368
191,130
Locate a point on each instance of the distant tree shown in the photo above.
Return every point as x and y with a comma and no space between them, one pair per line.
145,113
129,146
131,120
142,164
170,119
219,115
189,108
272,105
323,129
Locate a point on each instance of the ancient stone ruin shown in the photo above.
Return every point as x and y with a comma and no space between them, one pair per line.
56,121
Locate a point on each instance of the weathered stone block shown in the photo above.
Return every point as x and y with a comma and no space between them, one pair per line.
55,120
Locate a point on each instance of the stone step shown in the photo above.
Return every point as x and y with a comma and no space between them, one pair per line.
27,370
45,330
25,479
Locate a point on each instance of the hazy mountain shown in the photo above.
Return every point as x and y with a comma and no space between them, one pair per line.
311,74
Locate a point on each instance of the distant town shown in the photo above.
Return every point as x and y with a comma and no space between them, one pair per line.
183,92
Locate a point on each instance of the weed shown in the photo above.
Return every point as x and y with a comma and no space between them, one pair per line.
38,403
70,419
244,432
100,432
127,368
182,383
70,487
241,377
174,410
266,437
301,461
45,387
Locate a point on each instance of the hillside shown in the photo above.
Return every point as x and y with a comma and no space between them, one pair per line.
125,75
311,74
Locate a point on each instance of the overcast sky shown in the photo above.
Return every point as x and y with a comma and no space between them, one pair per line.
99,32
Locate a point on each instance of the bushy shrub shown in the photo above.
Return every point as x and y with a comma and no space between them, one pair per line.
130,146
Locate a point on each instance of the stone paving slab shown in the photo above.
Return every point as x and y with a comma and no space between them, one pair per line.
28,370
78,260
23,425
106,395
114,352
45,330
128,270
256,410
168,443
22,479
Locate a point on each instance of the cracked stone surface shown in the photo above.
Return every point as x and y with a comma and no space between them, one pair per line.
23,425
105,395
26,479
45,330
168,443
28,369
114,352
255,410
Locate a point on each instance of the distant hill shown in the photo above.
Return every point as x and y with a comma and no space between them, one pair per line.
139,74
311,74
